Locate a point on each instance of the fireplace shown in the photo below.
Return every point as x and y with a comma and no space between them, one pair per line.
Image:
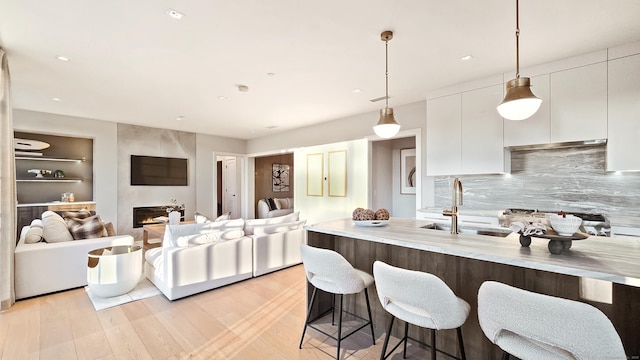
145,215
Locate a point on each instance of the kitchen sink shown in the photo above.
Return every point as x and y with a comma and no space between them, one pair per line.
474,230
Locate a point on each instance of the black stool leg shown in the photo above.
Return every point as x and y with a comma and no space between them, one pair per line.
333,309
406,339
461,344
386,339
340,326
306,322
366,296
433,344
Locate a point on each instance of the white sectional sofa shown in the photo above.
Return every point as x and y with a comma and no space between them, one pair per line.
279,207
43,268
200,257
183,267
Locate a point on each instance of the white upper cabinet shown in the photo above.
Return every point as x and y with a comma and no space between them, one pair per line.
444,122
482,132
465,135
623,145
537,128
579,103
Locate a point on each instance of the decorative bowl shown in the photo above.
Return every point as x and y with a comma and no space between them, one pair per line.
565,226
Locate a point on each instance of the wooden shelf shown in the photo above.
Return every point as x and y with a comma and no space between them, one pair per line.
47,159
60,180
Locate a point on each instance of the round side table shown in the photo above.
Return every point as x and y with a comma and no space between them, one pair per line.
114,270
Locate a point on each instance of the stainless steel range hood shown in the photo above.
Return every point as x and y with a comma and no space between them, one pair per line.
558,145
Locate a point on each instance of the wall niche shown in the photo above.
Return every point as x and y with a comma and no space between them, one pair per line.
70,156
264,187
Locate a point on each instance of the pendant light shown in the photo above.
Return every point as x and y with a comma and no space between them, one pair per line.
519,103
387,126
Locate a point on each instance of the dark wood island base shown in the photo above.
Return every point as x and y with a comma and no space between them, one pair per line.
465,275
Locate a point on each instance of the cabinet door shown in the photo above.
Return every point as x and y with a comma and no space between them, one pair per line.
536,129
482,133
443,135
579,103
624,114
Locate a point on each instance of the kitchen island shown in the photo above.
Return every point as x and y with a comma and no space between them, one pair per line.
464,261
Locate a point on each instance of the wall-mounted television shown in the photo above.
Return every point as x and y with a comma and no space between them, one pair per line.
159,171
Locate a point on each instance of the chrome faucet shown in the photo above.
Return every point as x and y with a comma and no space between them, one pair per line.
456,194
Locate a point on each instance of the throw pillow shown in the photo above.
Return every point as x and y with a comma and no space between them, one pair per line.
208,238
54,228
34,234
225,216
248,229
88,228
80,214
111,231
200,219
278,228
271,203
283,203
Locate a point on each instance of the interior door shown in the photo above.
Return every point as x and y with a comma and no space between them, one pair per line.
232,200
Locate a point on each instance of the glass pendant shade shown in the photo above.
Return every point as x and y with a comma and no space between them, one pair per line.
387,126
519,103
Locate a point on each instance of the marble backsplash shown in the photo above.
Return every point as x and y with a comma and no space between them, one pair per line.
569,179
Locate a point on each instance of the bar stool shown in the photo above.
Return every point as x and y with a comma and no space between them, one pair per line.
536,326
421,299
330,272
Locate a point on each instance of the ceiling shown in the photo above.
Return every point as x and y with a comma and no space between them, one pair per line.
132,63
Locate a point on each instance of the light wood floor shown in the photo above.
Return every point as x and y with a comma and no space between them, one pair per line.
261,318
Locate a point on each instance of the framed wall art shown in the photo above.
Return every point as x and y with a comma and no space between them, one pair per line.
280,177
408,171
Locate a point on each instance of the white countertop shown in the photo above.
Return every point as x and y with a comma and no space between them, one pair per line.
57,203
601,258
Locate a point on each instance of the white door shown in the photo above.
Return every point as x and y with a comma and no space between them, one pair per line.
231,199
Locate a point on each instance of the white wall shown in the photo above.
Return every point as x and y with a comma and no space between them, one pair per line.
321,208
410,116
105,159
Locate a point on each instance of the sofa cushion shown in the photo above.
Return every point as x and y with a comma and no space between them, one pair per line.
209,237
202,219
87,228
278,228
173,232
283,203
54,228
248,229
153,256
35,232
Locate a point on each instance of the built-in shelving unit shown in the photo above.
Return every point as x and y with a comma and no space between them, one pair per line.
60,180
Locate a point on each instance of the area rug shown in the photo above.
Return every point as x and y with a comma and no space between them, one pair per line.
143,290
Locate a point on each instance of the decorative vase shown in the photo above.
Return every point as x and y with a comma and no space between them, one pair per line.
174,218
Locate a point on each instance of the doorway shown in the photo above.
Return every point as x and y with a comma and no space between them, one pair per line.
229,185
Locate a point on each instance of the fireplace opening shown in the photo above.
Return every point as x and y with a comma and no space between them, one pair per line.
146,215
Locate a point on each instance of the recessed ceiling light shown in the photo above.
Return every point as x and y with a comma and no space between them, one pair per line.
356,91
56,99
180,118
63,58
466,57
243,88
175,14
271,74
221,97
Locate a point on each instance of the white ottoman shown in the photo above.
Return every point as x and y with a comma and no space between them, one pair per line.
114,270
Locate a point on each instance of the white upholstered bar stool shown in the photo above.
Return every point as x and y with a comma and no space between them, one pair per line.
421,299
330,272
536,326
